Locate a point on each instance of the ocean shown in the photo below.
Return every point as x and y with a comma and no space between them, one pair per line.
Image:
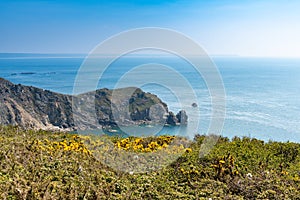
262,94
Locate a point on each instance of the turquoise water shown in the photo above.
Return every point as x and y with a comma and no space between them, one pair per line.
262,94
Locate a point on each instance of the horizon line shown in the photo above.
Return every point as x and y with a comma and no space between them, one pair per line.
82,55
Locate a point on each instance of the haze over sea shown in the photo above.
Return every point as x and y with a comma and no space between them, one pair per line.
262,94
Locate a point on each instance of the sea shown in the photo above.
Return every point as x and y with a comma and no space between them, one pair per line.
262,95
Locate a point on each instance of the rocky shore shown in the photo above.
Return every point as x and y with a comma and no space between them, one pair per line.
32,107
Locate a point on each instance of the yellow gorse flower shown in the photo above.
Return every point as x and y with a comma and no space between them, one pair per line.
75,145
144,144
188,150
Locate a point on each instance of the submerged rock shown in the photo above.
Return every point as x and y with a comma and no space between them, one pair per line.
194,105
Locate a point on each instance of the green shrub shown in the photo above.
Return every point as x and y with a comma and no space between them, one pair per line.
49,165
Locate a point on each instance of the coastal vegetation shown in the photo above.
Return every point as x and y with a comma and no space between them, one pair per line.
56,165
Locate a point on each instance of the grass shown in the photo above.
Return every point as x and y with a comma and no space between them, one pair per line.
47,165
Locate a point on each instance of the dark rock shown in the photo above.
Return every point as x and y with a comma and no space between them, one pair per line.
182,117
172,119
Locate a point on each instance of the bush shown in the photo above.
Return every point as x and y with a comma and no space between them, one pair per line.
49,165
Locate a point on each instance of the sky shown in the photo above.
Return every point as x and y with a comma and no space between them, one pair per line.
257,28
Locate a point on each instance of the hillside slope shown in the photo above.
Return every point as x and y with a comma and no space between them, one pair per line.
32,107
47,165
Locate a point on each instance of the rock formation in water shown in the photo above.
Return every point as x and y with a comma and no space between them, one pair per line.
31,107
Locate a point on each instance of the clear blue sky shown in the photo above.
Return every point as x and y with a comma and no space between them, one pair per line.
246,28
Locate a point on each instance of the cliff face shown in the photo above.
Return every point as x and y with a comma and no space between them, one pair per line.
31,107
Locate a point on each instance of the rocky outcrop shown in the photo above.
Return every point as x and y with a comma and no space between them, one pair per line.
31,107
182,117
171,119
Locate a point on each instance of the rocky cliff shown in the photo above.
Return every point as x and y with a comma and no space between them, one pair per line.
31,107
